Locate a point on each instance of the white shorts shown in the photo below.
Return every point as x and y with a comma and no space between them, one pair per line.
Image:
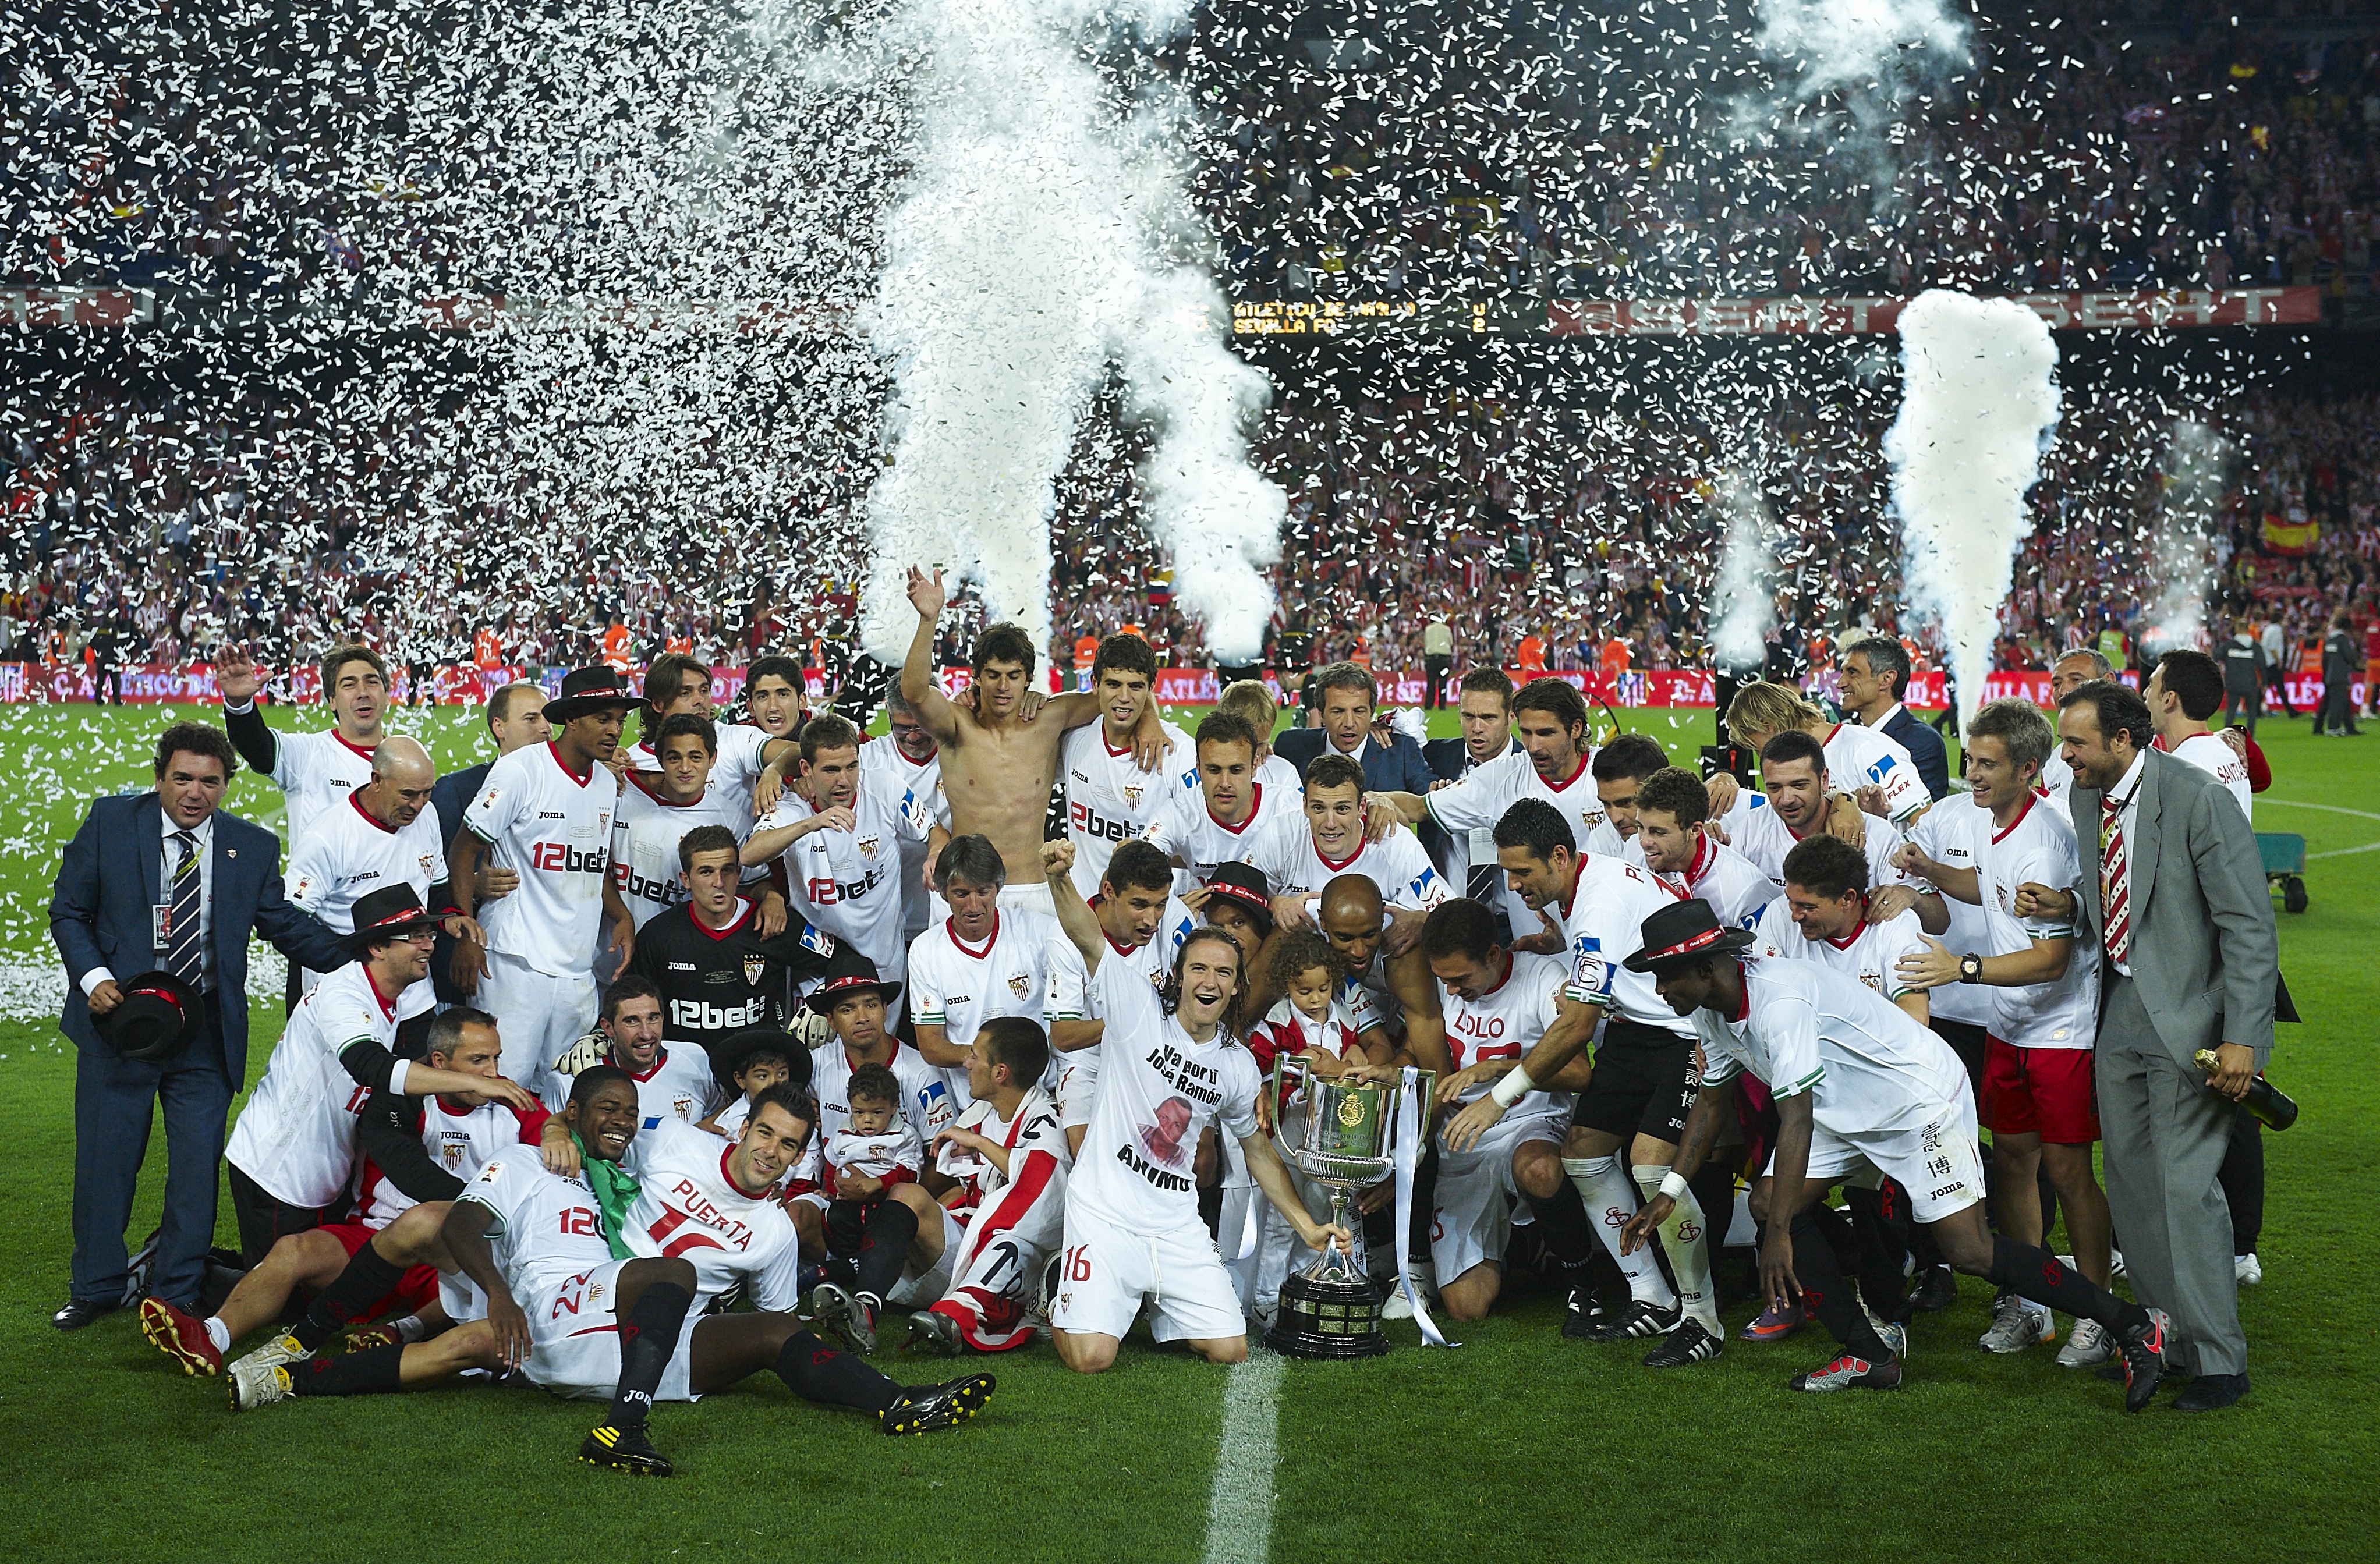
575,1340
1106,1272
1078,1086
538,1016
1473,1219
1940,1165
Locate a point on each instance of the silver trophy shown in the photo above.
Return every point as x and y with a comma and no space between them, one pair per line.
1331,1308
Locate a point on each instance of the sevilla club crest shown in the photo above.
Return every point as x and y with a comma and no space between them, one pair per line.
753,968
1131,796
1018,984
868,846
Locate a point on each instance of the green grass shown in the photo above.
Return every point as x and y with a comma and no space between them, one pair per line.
1519,1446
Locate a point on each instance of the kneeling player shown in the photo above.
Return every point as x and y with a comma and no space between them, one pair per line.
1861,1090
582,1324
1171,1064
1497,1004
1006,1159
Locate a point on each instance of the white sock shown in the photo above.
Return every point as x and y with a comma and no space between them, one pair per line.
1682,1235
219,1333
1611,1200
412,1328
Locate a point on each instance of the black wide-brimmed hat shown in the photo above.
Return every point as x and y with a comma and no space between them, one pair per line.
732,1052
846,970
1244,883
1685,928
158,1017
390,913
590,689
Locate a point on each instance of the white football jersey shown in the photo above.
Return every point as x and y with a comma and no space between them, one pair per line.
1111,799
548,1229
919,788
297,1136
1038,1159
848,882
1506,1022
644,843
678,1086
1948,833
1729,882
733,774
1858,757
345,853
551,827
1871,954
1157,1091
688,1206
1072,997
2057,780
1602,926
315,772
2210,754
959,986
1805,1027
1282,777
2039,847
1765,838
1188,830
460,1140
1293,866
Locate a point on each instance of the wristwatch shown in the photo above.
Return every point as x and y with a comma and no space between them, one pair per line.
1971,968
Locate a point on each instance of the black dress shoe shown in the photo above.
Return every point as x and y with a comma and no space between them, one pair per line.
2210,1391
80,1312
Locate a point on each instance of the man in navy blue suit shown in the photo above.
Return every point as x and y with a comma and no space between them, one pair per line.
1392,762
515,716
164,884
1874,676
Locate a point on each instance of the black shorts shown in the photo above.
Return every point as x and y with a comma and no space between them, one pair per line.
263,1219
1967,1042
1644,1082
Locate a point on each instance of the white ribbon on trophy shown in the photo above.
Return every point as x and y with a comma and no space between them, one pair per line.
1411,1127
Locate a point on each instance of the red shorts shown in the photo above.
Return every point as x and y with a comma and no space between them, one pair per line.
2048,1092
414,1291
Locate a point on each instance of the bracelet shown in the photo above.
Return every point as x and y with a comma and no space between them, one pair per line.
1674,1185
1515,1085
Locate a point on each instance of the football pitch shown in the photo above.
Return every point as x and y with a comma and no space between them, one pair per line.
1517,1446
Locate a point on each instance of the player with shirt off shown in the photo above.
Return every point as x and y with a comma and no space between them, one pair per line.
1171,1064
1861,1090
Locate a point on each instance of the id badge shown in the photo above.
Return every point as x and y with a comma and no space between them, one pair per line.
161,920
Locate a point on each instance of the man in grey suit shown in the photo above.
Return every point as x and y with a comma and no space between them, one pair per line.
2180,908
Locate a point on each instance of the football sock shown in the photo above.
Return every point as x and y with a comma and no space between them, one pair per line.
367,1373
1562,1220
369,1278
1879,1251
2040,1276
1714,1190
884,1247
648,1335
1611,1200
816,1371
1682,1235
1826,1294
219,1333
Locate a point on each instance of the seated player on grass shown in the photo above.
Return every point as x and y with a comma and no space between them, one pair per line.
579,1312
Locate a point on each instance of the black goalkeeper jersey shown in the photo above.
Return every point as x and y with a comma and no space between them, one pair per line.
713,984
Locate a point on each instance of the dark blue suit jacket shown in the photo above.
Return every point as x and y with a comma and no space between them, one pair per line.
111,877
1924,746
1398,767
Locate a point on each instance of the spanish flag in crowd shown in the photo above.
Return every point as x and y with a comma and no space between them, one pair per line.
2288,537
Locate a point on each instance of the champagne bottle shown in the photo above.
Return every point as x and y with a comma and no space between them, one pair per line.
2274,1107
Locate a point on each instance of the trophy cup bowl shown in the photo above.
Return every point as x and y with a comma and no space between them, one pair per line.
1331,1309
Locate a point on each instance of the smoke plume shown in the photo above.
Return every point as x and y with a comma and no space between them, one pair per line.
2197,462
1044,234
1743,596
1979,400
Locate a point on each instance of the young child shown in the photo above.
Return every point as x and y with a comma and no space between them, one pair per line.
875,1149
763,1067
1313,1025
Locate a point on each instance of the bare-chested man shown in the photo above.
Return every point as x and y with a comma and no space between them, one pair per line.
1000,753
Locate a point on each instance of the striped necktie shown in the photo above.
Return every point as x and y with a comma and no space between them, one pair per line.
2115,879
185,952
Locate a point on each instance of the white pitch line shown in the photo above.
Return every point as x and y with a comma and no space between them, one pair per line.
1239,1511
2331,809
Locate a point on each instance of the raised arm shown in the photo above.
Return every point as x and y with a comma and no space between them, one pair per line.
918,686
238,682
1080,925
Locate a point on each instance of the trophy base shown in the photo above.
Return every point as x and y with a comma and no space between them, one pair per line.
1323,1317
